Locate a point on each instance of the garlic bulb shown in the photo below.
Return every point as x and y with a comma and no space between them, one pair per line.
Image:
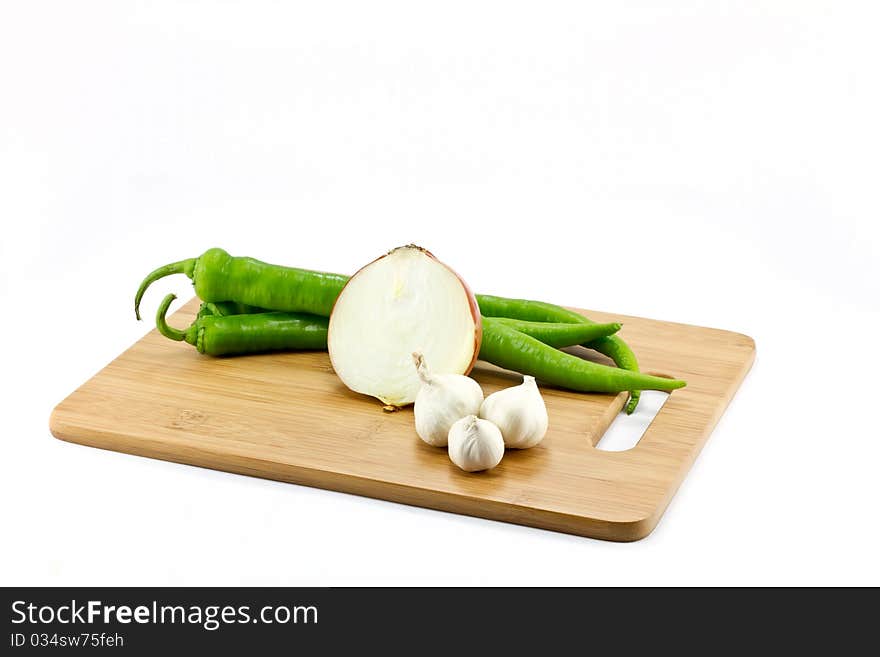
443,399
519,412
475,444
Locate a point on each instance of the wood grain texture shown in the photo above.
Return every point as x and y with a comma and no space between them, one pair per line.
288,417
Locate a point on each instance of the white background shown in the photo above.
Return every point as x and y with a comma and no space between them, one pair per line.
698,162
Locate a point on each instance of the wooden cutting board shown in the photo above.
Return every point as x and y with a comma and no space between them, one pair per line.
288,417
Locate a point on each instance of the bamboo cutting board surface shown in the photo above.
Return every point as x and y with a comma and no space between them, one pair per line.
288,417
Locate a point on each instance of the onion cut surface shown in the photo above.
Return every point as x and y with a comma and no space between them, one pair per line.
405,301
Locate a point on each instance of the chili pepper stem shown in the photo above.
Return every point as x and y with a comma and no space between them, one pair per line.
168,331
183,267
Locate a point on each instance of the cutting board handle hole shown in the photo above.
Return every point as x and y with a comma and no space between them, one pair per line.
626,431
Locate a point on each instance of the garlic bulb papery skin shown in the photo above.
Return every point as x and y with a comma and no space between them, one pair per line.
519,412
475,444
443,399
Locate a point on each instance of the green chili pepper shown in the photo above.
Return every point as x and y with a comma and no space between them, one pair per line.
218,276
559,334
555,334
216,335
539,311
513,350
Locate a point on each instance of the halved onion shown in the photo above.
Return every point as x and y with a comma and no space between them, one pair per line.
405,301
